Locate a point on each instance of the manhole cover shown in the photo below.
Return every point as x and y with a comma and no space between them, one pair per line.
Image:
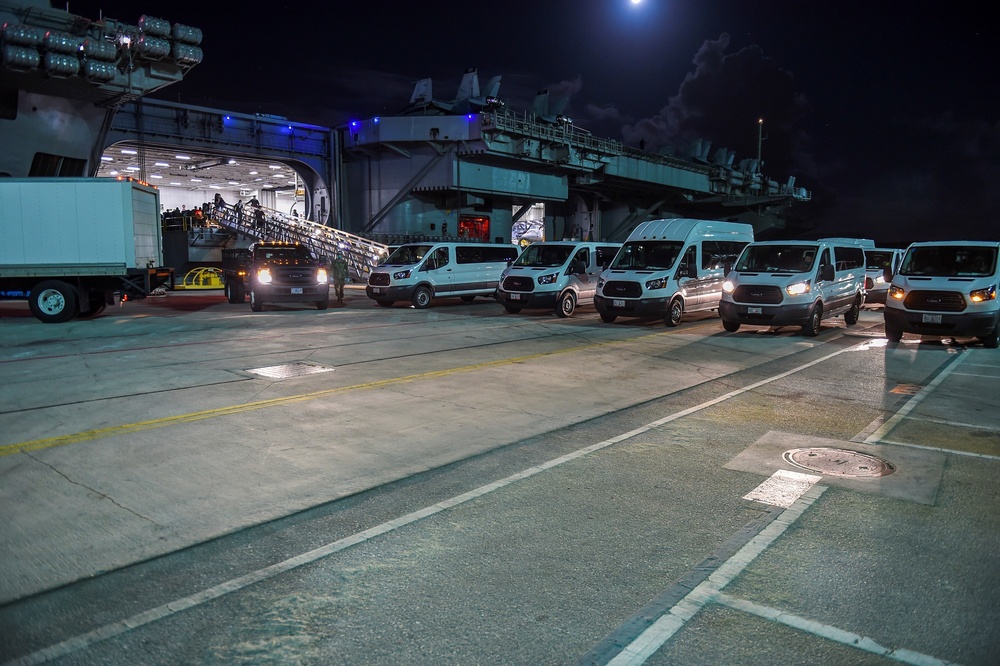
839,462
297,369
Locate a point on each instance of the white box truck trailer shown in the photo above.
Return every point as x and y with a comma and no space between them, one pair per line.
72,246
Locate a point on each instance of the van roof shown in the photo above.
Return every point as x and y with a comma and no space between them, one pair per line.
682,228
957,242
866,243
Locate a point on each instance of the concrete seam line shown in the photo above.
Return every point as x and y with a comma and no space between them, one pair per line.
828,632
85,640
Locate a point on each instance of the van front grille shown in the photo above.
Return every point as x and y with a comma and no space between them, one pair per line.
935,301
757,293
518,283
622,289
379,279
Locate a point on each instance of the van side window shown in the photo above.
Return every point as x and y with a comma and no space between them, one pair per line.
690,259
849,257
824,260
580,261
468,254
438,259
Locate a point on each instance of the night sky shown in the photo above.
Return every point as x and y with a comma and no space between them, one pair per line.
886,111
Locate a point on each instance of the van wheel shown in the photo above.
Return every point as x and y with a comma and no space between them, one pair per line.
892,333
811,327
255,303
731,326
992,341
513,309
607,317
53,302
851,316
421,298
468,298
385,304
567,304
674,313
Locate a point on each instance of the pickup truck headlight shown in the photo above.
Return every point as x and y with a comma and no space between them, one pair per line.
658,283
264,276
798,288
401,275
728,286
981,295
896,292
547,279
321,276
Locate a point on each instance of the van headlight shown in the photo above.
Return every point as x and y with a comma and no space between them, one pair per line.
658,283
798,288
896,292
601,282
547,279
264,276
401,275
981,295
728,286
321,276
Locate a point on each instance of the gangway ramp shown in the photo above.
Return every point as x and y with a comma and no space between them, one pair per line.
262,223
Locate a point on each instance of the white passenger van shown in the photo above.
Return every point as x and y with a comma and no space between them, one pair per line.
419,272
880,260
946,289
668,267
555,275
781,283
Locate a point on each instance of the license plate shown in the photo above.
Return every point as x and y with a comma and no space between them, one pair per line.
376,290
515,297
617,303
755,310
931,319
296,290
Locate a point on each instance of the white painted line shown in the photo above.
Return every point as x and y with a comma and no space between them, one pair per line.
952,452
783,488
829,633
658,633
891,423
116,628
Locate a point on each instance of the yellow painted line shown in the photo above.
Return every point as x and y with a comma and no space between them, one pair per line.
124,429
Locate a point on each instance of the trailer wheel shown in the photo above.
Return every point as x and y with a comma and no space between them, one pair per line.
53,302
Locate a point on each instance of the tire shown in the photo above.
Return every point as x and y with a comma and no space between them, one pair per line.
255,304
567,304
385,304
512,309
421,297
323,305
731,326
239,292
811,327
991,341
468,298
674,313
893,334
608,318
851,316
53,302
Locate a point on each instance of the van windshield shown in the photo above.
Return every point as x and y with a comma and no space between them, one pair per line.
949,261
408,254
777,258
544,256
648,255
878,260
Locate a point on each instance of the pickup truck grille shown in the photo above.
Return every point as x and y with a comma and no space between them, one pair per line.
293,275
758,293
379,279
622,289
935,301
518,283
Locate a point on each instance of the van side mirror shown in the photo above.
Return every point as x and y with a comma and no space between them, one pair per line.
826,273
727,268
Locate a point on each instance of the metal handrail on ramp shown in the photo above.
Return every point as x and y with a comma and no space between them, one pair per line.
362,254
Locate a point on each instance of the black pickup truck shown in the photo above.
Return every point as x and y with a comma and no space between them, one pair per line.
276,272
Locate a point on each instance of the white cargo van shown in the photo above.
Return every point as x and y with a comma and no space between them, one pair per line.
781,283
668,267
880,260
555,275
419,272
946,289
